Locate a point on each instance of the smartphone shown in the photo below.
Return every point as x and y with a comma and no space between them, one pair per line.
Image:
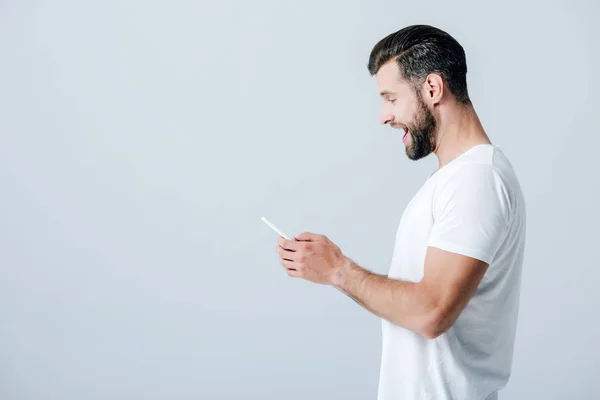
266,221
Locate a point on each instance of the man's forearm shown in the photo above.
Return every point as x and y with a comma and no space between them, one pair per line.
403,303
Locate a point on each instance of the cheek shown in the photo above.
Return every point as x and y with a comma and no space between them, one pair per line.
404,115
412,115
405,107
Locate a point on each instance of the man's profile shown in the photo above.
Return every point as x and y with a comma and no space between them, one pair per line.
449,303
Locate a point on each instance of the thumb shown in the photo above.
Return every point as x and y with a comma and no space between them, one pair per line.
307,237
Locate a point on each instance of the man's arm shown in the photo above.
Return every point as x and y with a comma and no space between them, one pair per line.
472,214
429,307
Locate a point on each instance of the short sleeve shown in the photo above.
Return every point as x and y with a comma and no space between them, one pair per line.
472,212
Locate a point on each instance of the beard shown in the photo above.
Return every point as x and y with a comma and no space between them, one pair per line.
423,132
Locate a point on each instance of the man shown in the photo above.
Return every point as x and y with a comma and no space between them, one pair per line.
450,301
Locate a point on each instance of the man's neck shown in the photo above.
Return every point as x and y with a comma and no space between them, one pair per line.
459,130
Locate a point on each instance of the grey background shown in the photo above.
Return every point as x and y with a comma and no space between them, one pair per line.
141,142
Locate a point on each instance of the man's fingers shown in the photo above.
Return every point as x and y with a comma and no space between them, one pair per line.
291,245
288,265
308,237
291,255
293,273
287,254
291,268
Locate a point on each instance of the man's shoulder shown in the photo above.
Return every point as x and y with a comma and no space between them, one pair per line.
481,183
486,168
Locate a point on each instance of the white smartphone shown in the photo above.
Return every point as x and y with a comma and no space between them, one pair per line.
266,221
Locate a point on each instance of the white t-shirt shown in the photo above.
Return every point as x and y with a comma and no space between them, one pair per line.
472,206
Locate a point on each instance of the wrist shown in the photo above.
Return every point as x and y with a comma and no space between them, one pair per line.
340,272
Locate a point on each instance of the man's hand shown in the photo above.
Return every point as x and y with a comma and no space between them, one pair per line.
312,257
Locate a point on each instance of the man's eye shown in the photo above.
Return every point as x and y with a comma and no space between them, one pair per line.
392,101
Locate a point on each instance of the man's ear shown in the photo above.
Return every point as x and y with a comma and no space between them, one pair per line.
433,89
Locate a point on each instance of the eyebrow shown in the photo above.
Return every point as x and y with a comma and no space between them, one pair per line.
385,93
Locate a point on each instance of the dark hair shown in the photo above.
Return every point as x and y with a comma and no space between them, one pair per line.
421,50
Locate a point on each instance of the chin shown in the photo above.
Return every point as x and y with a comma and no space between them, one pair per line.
411,154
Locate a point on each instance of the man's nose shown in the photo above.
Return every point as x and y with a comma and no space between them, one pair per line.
386,118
